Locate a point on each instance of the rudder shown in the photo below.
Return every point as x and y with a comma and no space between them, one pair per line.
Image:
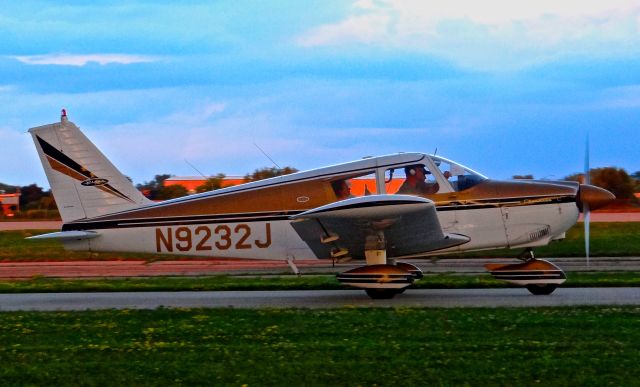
85,184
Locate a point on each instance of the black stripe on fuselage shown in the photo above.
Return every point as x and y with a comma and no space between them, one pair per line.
265,216
180,221
505,202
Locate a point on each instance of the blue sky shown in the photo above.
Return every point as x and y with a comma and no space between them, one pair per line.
503,87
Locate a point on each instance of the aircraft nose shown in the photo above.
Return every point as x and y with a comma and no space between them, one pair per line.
595,197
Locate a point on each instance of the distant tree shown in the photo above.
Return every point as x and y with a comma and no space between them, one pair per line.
211,183
579,177
44,203
171,192
266,172
151,189
636,181
523,177
31,194
8,188
615,180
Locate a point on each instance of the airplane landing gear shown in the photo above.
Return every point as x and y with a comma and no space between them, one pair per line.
540,277
527,255
541,289
381,281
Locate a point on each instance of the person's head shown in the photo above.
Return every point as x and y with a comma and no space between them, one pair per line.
416,172
341,188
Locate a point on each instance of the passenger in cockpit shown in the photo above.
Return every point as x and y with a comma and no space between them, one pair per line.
341,189
415,183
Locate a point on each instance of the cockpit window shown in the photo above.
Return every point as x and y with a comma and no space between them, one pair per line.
460,177
414,179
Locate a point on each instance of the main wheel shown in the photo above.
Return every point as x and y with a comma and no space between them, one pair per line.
541,289
381,294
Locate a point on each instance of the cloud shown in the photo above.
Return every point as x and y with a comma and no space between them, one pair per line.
82,60
487,34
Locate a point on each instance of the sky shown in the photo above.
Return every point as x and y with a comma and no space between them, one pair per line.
503,87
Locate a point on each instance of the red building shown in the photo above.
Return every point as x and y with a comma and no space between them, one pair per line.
10,204
358,185
193,182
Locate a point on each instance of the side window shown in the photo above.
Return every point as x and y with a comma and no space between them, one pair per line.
411,180
354,186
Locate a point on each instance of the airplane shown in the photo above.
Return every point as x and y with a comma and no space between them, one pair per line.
402,206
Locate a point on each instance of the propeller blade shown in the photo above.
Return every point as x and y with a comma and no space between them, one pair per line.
587,214
587,218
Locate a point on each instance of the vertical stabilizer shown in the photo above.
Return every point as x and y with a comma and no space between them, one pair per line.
84,182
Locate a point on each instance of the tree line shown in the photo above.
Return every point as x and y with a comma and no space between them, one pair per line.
155,189
615,180
37,202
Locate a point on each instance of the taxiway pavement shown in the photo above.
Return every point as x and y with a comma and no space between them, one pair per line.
422,298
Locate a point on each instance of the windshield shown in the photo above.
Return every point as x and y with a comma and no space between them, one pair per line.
459,176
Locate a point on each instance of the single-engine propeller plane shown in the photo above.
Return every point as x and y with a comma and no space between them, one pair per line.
377,210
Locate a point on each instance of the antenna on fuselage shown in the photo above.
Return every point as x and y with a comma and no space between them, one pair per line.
196,169
267,156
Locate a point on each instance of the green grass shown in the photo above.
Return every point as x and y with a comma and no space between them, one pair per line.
386,347
289,282
608,239
14,247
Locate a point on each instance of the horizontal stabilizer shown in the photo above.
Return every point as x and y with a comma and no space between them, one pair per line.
67,235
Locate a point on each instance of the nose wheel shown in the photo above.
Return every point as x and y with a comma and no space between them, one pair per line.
383,294
541,289
540,277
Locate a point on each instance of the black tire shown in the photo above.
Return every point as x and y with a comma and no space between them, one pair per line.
381,294
541,290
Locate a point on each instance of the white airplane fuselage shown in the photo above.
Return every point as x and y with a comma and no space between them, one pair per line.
487,228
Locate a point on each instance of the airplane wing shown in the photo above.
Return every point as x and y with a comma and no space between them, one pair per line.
403,224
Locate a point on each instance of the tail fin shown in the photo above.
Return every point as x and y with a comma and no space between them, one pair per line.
84,182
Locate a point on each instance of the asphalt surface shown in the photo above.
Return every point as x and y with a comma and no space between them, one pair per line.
428,298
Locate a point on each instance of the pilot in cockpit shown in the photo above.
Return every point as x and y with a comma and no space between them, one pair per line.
415,183
341,189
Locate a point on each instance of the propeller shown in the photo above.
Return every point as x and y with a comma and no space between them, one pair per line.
590,198
585,204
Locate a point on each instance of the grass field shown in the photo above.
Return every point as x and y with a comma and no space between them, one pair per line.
615,239
288,282
386,347
607,239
